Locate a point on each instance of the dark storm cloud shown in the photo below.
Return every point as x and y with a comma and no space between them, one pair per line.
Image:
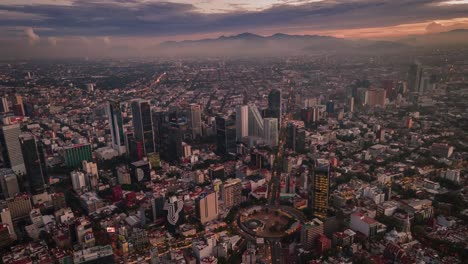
132,18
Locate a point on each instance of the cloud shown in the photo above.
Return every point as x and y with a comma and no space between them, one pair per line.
148,18
106,40
435,27
52,41
32,37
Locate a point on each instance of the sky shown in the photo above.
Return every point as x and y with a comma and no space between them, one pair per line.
48,25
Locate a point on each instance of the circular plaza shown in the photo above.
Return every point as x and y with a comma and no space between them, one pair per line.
270,221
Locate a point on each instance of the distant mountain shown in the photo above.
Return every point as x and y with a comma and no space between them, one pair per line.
453,38
283,44
252,44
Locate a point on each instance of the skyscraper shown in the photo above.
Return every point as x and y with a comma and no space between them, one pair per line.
12,154
143,125
159,119
414,77
171,141
231,192
321,188
75,154
17,103
351,104
9,183
78,180
270,131
255,128
195,120
242,121
274,104
34,161
310,232
207,207
225,135
376,97
114,113
330,107
4,105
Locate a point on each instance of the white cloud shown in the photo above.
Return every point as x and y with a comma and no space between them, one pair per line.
32,37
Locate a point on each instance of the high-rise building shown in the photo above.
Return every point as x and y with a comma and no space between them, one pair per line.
19,206
414,77
321,188
242,121
114,112
207,207
376,97
274,104
12,155
159,119
140,171
270,131
351,104
90,167
4,108
195,120
9,183
171,141
225,135
310,232
255,128
34,161
330,107
18,106
75,154
231,192
143,125
295,138
78,180
5,218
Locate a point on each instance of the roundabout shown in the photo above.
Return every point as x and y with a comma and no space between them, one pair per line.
270,221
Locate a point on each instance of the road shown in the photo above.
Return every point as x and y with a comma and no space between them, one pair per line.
275,182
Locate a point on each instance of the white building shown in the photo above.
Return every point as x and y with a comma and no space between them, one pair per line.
255,122
242,122
13,147
78,180
366,225
451,175
90,167
374,193
203,247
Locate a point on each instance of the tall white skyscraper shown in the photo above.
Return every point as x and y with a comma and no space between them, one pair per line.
270,131
4,105
195,120
242,122
255,122
114,113
14,156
